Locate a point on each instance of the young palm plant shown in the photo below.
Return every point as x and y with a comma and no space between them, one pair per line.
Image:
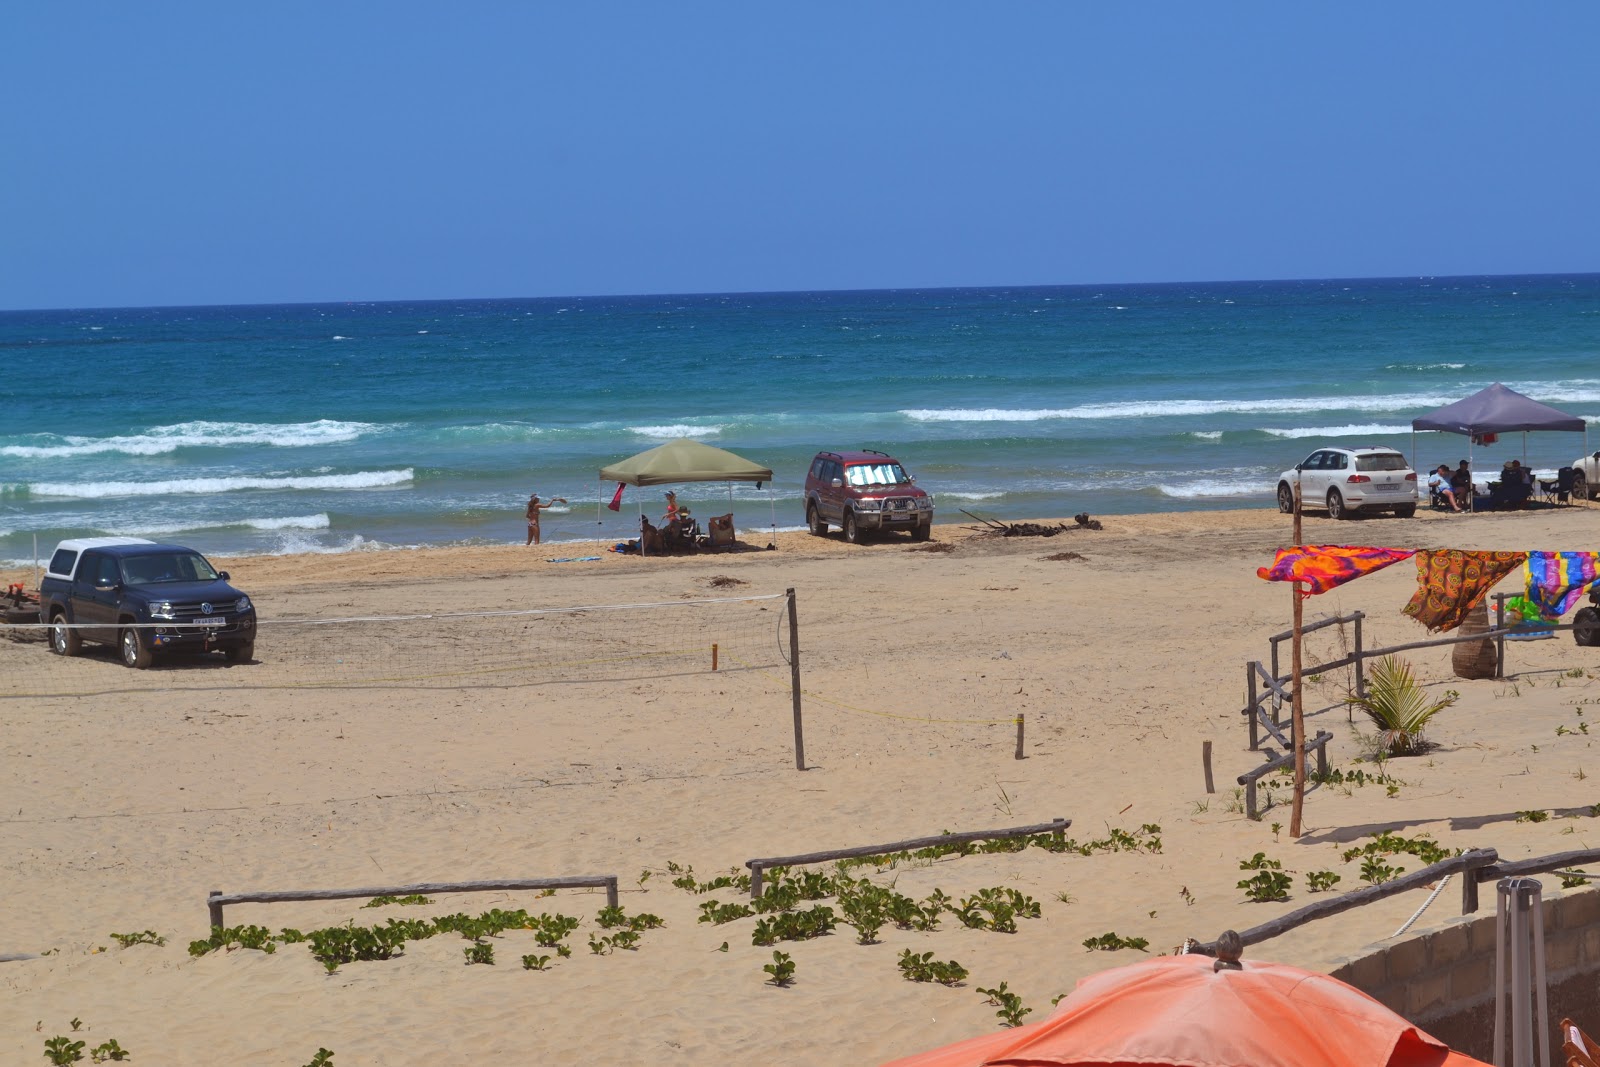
1398,706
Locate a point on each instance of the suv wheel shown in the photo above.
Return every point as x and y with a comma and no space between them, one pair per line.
64,641
1405,511
1285,498
922,531
1336,508
240,653
134,652
852,529
1580,486
814,522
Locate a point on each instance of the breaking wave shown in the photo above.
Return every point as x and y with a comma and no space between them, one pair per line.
180,486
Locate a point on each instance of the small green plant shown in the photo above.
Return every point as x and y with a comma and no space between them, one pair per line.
1066,897
713,911
1572,879
780,972
1532,816
1200,807
924,968
1188,897
60,1050
323,1058
1265,886
410,899
479,952
1320,881
1398,706
108,1050
143,937
535,963
1008,1005
1110,942
600,946
1377,872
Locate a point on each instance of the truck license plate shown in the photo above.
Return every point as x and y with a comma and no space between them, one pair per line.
215,620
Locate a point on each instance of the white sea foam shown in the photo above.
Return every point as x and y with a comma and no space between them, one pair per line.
1357,430
676,429
160,440
1217,487
1207,435
947,494
1140,409
1425,366
180,486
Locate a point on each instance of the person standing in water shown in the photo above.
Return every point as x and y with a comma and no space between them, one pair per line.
534,507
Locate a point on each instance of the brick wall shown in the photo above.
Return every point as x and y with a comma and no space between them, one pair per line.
1444,980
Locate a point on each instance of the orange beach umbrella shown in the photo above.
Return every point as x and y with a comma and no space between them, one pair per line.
1193,1011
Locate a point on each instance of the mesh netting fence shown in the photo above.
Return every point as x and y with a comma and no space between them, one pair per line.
441,651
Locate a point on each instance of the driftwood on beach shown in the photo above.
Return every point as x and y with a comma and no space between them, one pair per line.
1080,521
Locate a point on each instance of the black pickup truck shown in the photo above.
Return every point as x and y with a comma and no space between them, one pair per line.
143,598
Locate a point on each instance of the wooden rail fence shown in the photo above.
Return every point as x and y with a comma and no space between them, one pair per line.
217,899
758,866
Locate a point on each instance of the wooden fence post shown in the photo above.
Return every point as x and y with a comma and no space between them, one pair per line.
1251,705
214,908
794,682
1205,756
1019,735
1361,671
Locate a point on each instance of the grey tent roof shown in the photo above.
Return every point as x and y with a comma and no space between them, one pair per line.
1497,410
684,461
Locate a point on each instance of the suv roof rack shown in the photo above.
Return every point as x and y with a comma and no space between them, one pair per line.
875,452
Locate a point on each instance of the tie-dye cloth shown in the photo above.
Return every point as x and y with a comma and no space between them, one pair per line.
1322,567
1451,582
1556,580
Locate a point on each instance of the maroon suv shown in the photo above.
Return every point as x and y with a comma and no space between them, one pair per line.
864,493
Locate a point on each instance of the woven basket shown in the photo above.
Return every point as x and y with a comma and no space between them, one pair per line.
1475,659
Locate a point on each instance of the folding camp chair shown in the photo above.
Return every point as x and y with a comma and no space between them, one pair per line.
721,530
1580,1047
1560,490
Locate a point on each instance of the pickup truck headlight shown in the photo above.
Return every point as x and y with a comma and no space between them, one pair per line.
243,605
925,504
869,505
161,610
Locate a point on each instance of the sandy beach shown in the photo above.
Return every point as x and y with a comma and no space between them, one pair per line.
124,803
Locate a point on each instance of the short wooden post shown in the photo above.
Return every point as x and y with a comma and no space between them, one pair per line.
1322,754
1500,642
213,907
611,891
713,656
1019,735
1250,799
755,880
1361,670
1205,756
1469,891
794,682
1250,704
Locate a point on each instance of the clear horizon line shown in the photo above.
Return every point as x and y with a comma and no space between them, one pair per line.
792,292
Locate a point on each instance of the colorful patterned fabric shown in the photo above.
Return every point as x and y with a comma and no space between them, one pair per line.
1320,568
1450,583
1556,580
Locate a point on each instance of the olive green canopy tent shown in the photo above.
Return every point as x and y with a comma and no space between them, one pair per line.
683,460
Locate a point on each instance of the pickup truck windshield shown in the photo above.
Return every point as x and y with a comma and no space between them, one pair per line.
167,567
861,474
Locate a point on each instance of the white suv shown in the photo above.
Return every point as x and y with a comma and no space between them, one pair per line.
1351,479
1586,477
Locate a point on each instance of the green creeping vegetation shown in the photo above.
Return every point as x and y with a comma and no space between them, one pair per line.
143,937
780,972
1532,816
924,968
1320,881
1008,1005
1376,872
714,911
793,926
1572,879
336,945
323,1058
995,909
411,899
683,878
531,962
108,1050
1422,847
1110,942
64,1050
1269,883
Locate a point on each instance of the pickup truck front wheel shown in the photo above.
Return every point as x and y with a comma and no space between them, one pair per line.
134,652
240,653
64,640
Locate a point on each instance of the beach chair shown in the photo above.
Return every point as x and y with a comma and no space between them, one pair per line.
1580,1047
1560,490
721,531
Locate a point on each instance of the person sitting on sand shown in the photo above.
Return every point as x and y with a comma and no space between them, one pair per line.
534,507
1439,483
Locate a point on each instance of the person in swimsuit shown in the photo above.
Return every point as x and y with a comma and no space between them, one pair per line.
534,507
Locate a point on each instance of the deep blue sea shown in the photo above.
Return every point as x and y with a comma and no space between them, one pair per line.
340,427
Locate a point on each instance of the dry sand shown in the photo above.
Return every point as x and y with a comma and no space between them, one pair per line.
123,807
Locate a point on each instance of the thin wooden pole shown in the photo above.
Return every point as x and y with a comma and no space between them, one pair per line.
713,655
1297,731
1019,735
1205,756
794,683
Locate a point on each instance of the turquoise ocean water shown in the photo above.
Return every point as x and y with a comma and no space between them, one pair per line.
340,427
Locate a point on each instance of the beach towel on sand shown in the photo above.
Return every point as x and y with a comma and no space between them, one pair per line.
1322,567
1451,582
1556,580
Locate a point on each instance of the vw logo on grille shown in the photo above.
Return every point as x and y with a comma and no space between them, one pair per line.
205,609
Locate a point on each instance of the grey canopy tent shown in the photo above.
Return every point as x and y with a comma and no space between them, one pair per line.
683,460
1496,410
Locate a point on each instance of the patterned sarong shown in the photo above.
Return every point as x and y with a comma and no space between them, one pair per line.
1557,579
1321,567
1450,583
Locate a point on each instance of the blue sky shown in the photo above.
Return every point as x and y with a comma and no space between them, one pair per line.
186,153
